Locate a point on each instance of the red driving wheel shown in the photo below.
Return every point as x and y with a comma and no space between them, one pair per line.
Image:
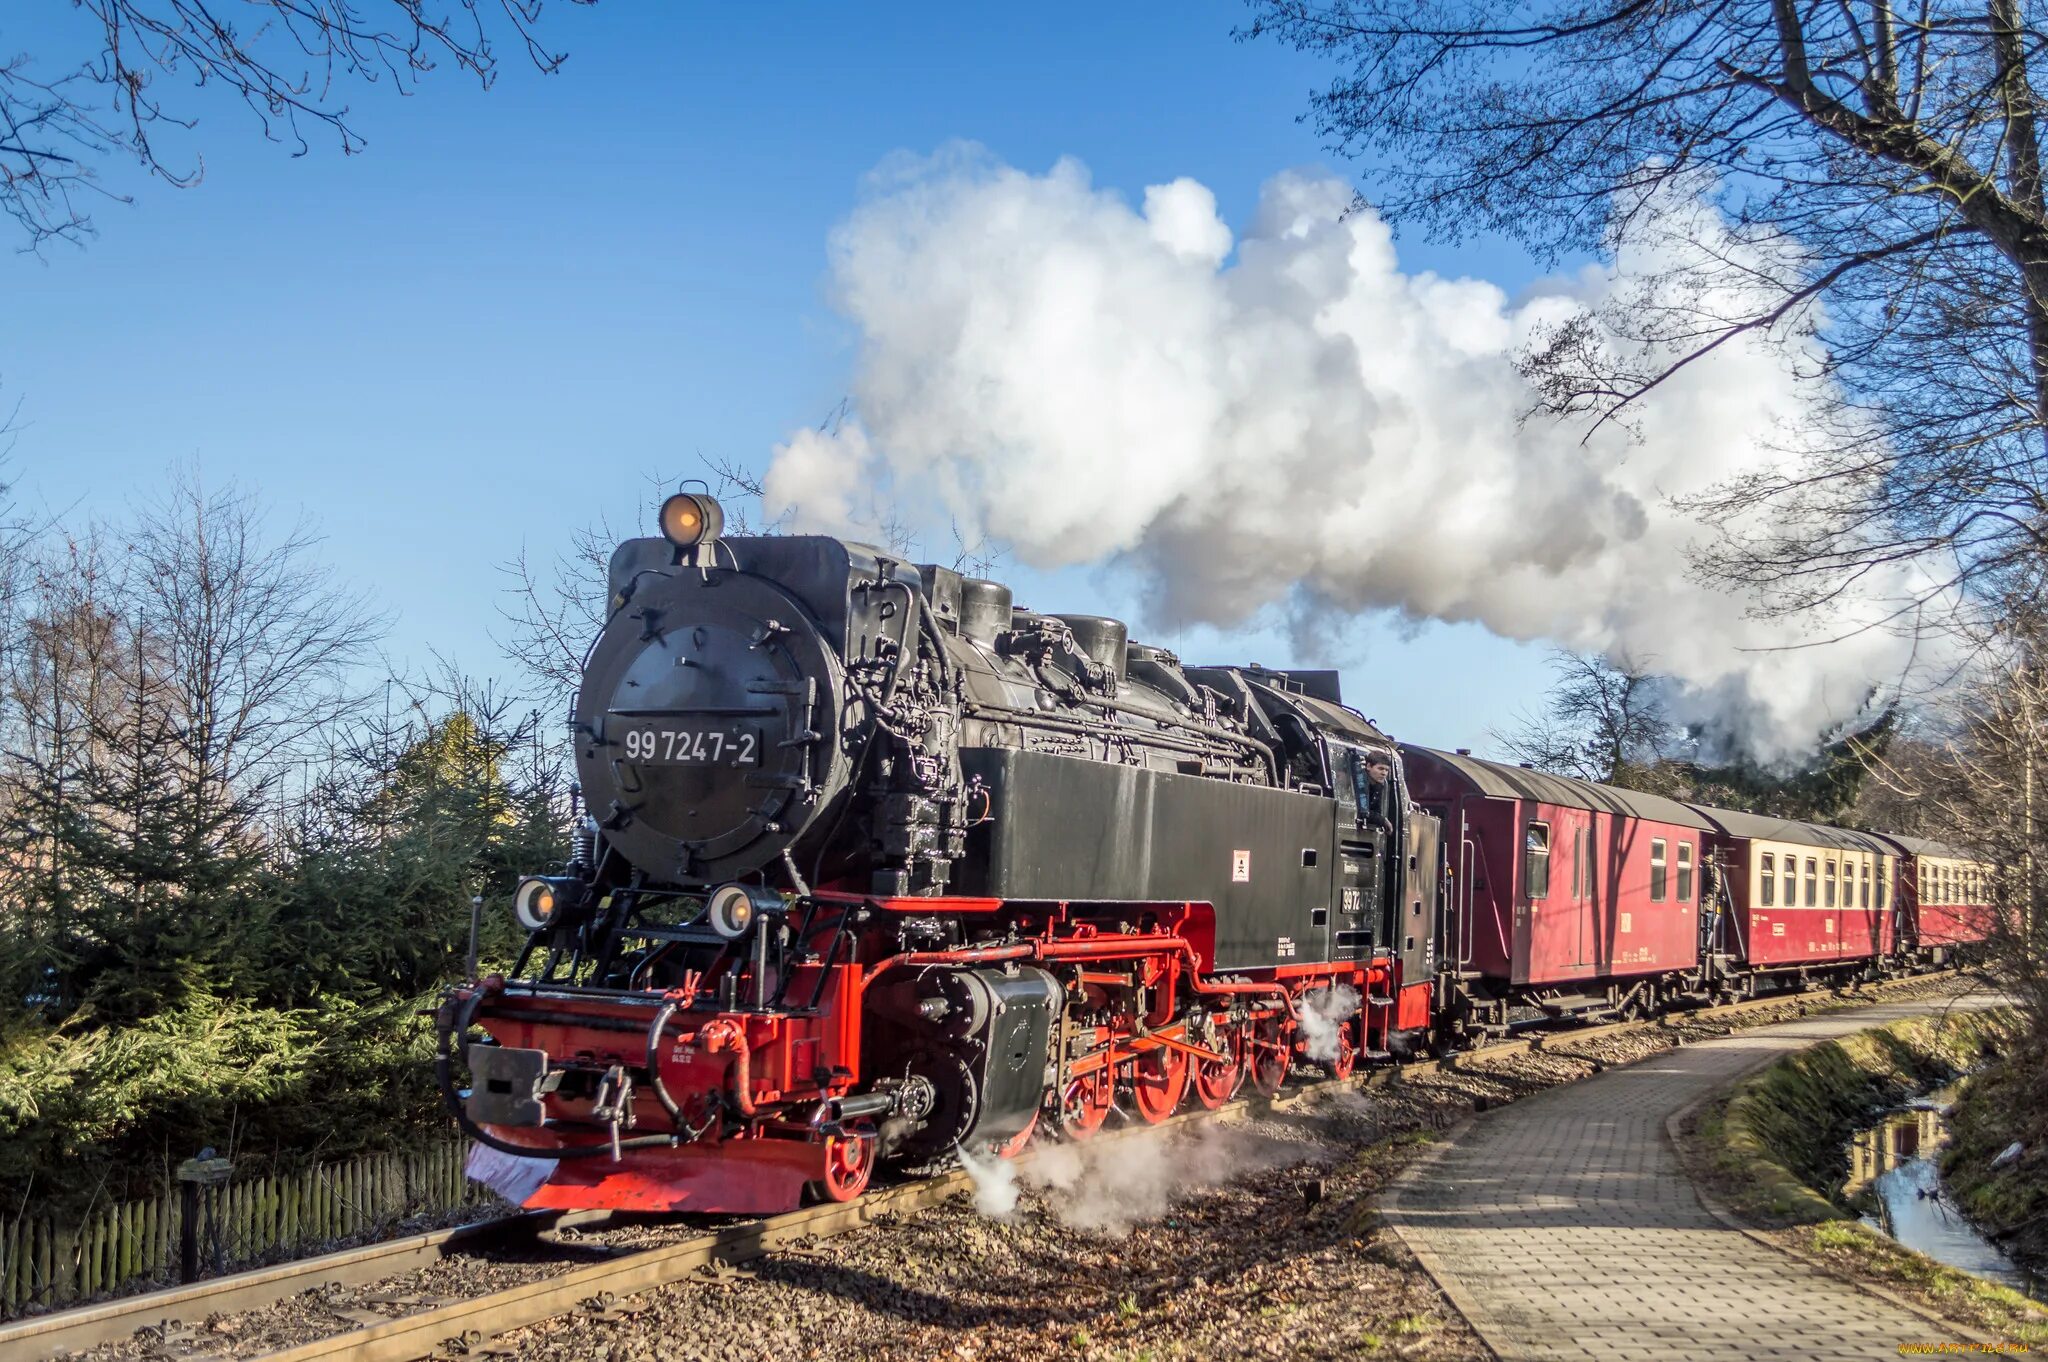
1269,1058
1159,1078
1085,1105
1217,1081
1347,1052
1014,1146
849,1161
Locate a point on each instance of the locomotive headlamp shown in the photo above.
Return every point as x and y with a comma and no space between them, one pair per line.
691,518
733,908
540,899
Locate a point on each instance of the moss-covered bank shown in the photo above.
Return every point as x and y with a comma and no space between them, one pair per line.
2007,1104
1782,1130
1772,1149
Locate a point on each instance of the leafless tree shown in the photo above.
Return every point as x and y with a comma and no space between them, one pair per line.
255,645
1604,721
1879,171
1981,787
288,60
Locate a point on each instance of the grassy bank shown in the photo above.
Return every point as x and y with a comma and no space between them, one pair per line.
2006,1105
1772,1151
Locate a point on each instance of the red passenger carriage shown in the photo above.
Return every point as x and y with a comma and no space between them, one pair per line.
1801,898
1563,895
1947,895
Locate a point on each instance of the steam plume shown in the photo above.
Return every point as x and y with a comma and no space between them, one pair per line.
1109,1186
1303,430
1319,1015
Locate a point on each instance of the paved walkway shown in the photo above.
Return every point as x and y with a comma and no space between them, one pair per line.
1563,1227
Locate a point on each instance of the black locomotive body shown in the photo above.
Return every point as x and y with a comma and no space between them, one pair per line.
877,862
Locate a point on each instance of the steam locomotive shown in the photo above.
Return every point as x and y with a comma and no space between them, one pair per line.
875,864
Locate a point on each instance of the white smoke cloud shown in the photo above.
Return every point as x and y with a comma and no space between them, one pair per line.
1302,428
1319,1016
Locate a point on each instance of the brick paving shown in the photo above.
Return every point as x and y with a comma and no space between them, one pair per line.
1563,1227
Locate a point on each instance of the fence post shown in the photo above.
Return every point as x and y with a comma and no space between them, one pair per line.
193,1174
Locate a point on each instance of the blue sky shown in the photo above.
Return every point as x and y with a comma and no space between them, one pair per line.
489,328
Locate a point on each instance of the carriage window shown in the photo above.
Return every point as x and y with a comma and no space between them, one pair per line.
1863,879
1812,882
1537,873
1790,884
1884,889
1767,880
1685,872
1828,892
1656,870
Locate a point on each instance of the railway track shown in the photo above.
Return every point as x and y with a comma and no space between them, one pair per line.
465,1326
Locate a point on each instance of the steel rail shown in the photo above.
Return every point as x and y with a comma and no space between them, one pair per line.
467,1322
38,1337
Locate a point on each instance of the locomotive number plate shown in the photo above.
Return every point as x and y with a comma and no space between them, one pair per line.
664,745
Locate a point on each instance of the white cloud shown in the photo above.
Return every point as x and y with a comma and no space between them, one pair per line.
1305,429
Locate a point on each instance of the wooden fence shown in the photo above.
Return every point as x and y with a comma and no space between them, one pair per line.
54,1261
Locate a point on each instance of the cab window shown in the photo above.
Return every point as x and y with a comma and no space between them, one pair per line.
1537,872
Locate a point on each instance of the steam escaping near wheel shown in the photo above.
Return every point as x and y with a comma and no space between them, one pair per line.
1112,1187
1288,426
1320,1016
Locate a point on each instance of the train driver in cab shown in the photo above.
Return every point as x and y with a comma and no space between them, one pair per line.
1378,775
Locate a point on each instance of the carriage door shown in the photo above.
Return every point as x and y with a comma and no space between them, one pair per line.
1362,849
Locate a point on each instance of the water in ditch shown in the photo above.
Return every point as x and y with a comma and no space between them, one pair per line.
1895,1174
